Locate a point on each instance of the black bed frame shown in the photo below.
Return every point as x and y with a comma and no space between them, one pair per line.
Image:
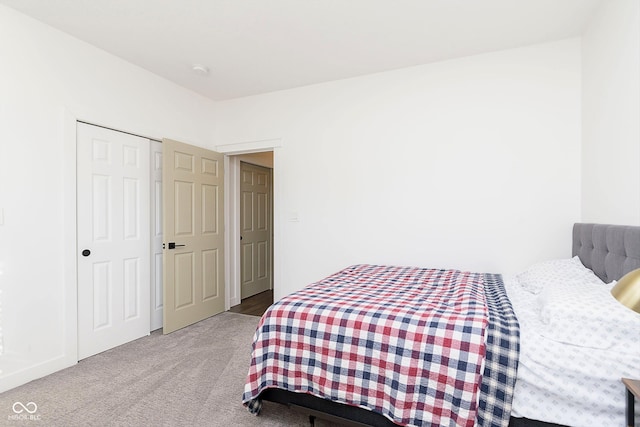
609,250
352,416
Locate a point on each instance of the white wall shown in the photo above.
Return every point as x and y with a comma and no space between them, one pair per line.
471,163
611,114
46,79
452,164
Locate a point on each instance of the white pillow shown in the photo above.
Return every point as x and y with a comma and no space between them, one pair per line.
553,272
587,315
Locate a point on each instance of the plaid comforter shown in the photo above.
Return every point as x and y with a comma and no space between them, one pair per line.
420,346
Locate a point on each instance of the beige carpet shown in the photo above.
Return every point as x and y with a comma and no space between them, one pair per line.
192,377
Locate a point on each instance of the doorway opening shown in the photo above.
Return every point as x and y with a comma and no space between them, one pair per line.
252,231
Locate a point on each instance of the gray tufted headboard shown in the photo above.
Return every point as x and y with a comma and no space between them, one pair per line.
610,251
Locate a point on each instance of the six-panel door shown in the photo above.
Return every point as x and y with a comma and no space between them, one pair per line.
193,230
255,229
113,238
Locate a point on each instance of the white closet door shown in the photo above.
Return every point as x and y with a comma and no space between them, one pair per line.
113,238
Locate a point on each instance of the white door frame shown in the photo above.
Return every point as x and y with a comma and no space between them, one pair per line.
232,211
71,241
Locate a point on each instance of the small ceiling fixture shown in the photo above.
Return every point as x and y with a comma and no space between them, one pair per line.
200,69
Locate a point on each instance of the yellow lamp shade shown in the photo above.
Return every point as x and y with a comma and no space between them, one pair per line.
627,290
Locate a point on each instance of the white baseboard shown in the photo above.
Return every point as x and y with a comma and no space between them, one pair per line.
20,376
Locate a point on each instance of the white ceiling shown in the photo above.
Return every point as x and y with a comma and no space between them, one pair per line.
258,46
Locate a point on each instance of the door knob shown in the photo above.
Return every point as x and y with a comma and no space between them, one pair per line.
172,245
86,252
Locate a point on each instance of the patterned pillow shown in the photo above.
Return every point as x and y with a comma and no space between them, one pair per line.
551,273
587,315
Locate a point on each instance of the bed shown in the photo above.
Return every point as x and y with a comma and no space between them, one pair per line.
354,359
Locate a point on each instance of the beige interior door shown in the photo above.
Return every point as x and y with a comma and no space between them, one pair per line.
113,238
255,229
193,230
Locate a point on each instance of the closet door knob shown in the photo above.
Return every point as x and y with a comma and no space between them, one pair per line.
86,252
